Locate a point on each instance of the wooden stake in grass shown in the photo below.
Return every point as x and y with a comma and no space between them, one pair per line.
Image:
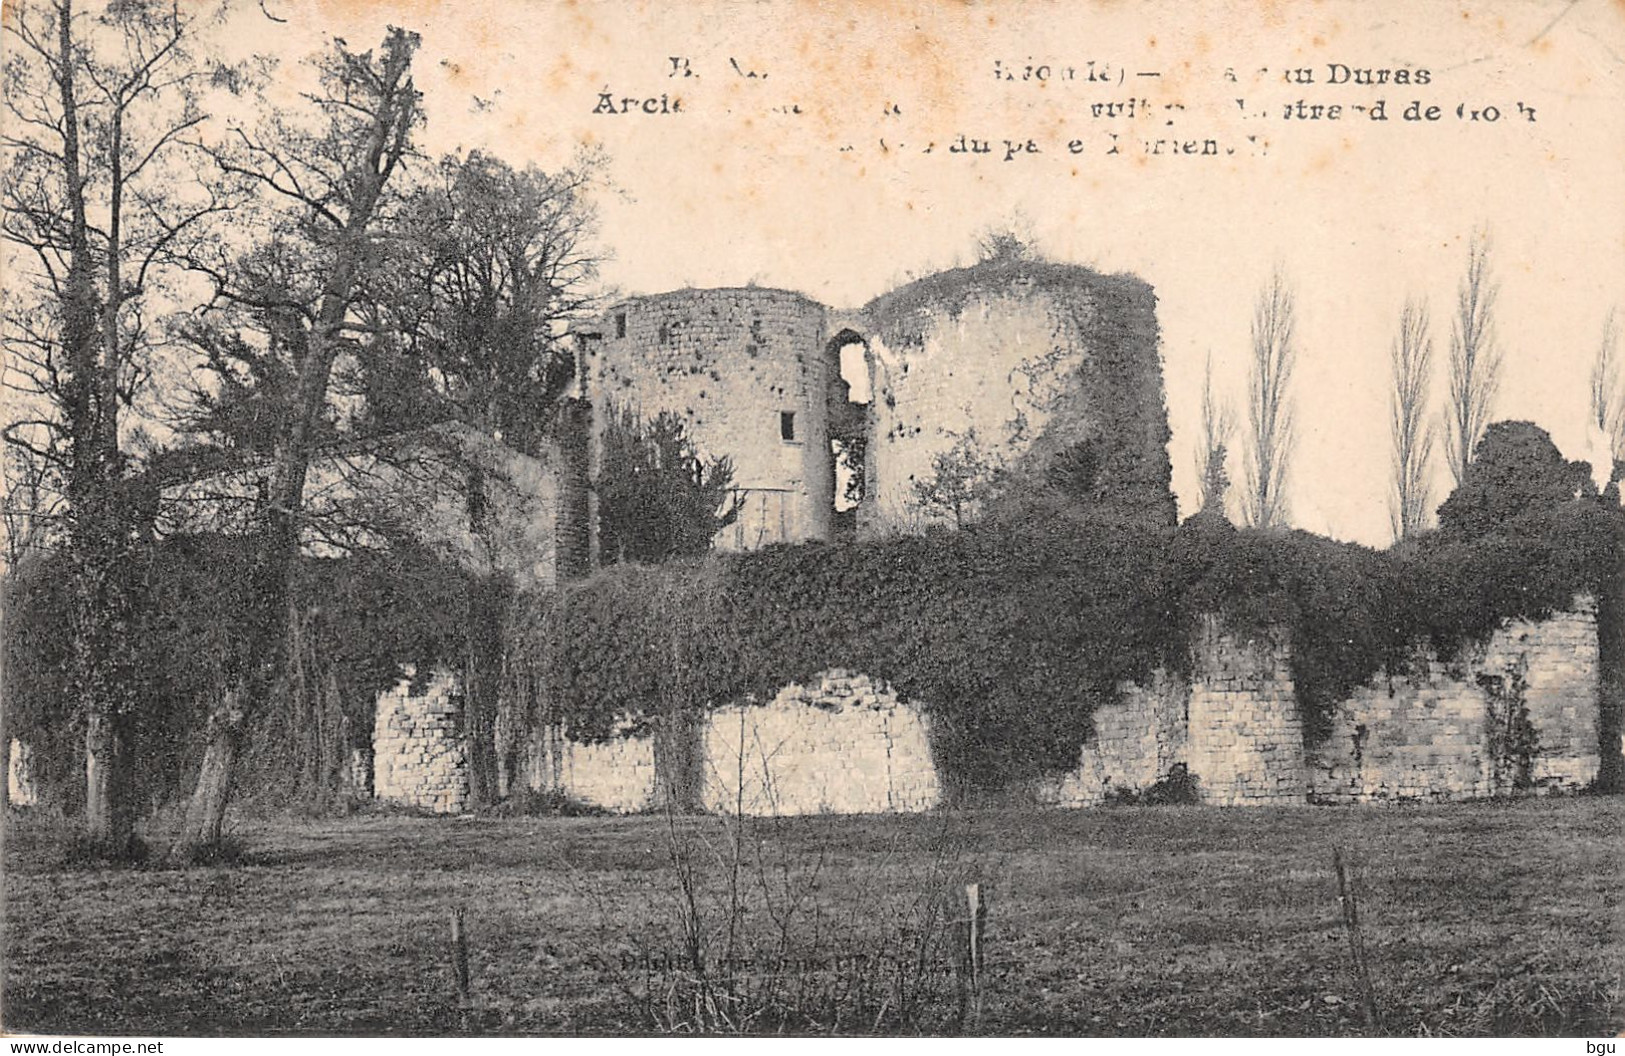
459,956
1349,903
976,920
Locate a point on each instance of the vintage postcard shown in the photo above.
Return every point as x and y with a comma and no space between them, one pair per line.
813,517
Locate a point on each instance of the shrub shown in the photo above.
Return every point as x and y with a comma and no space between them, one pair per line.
1177,787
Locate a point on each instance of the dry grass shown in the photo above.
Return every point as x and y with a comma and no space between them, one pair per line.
1495,918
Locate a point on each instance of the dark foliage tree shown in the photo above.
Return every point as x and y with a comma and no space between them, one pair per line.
99,105
469,309
489,262
963,480
658,499
1516,471
365,613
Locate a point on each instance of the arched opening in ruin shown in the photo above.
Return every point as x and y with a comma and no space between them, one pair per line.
849,370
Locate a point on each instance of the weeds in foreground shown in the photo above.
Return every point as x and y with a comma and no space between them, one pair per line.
762,944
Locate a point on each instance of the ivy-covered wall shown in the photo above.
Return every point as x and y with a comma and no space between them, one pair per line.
1138,740
1515,714
842,743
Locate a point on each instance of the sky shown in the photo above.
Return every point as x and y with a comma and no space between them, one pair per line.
749,182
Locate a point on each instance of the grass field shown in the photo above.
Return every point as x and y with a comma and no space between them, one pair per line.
1492,918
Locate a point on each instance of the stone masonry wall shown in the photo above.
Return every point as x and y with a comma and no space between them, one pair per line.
843,746
1562,670
419,756
20,788
1234,725
617,775
1517,713
1136,742
1245,743
1456,730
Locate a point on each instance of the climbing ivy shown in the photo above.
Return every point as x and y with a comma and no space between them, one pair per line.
1108,400
1012,632
362,619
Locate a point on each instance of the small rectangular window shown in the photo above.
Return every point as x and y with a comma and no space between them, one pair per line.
620,324
787,425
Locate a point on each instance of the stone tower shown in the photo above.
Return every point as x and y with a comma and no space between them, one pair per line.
744,370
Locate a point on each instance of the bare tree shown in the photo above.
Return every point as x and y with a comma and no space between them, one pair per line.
489,261
1475,361
31,510
1269,405
1218,425
1412,433
98,104
328,195
1608,389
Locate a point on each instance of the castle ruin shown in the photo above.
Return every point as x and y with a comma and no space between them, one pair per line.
833,418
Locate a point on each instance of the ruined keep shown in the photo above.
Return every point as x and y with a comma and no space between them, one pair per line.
832,418
744,369
1028,364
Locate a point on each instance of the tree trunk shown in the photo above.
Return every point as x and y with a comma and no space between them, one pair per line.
1611,684
481,671
104,681
206,813
109,827
5,712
